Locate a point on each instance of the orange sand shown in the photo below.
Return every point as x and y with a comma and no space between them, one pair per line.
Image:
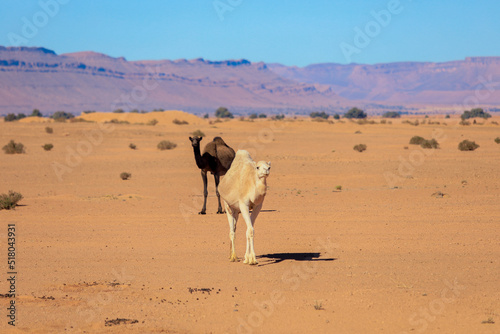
377,256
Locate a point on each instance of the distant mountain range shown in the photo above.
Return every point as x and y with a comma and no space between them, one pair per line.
39,78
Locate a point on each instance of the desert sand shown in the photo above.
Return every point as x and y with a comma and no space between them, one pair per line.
409,244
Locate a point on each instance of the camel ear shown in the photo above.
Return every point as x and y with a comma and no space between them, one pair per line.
269,163
190,138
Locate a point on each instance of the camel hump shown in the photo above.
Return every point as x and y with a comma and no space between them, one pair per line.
224,154
219,141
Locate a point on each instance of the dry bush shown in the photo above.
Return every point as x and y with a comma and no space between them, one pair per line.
176,121
13,147
166,145
9,201
48,147
360,147
153,122
497,140
198,133
467,145
125,176
132,146
48,129
432,143
417,140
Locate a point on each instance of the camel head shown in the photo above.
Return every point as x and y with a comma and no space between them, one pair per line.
263,169
195,141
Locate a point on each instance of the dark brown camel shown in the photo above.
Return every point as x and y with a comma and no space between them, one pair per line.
216,158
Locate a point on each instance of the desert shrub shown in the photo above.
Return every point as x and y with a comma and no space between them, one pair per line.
48,147
125,176
383,121
116,121
134,111
338,188
494,122
391,114
88,111
278,117
118,111
464,122
132,146
166,145
467,145
417,140
410,122
365,121
360,147
355,113
48,129
153,122
36,113
497,140
206,116
13,147
176,121
447,116
432,143
262,116
223,112
336,116
317,114
476,112
9,201
62,116
198,133
252,116
10,118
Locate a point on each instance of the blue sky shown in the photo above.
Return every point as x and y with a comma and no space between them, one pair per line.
290,32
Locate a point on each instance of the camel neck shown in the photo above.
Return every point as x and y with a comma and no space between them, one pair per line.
197,157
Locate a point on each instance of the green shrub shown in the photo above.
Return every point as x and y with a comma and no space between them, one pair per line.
116,121
48,147
36,113
391,114
360,147
223,112
417,140
125,176
252,116
497,140
118,111
61,116
336,116
317,114
9,201
198,133
166,145
278,117
48,129
476,112
132,146
467,145
355,113
206,116
13,147
262,116
432,143
176,121
447,116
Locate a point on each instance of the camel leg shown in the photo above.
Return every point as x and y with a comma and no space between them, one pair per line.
205,192
217,179
232,217
250,252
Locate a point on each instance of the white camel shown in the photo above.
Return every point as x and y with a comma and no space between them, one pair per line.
244,188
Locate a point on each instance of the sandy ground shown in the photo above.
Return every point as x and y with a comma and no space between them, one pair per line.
383,254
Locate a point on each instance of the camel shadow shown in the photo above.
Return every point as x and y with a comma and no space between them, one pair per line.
280,257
